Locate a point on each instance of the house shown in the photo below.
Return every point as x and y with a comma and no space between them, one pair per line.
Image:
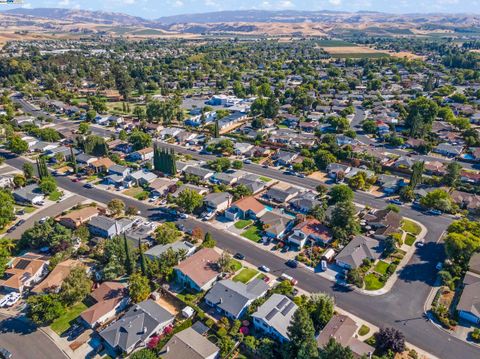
156,252
468,306
240,148
310,229
276,224
119,170
137,325
466,200
84,159
229,177
343,140
43,146
231,299
384,222
435,168
284,158
343,330
102,165
30,194
24,271
359,248
304,202
231,120
200,190
77,217
53,282
142,233
6,181
145,154
448,149
199,271
218,201
403,162
142,177
160,186
474,263
107,227
334,169
390,184
200,172
281,195
110,299
190,345
252,182
274,316
244,208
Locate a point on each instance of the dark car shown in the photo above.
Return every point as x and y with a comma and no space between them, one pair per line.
88,185
20,222
239,256
292,263
5,354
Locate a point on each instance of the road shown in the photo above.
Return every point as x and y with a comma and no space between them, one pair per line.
50,211
25,341
401,308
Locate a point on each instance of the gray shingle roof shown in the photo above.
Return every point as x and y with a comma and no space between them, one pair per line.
188,344
358,249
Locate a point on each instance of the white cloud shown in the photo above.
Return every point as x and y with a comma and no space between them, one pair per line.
64,3
285,4
335,2
129,2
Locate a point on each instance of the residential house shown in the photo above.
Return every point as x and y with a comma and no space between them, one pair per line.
403,162
107,227
281,195
359,249
231,299
189,344
436,168
53,282
310,229
142,177
276,224
448,149
199,271
304,202
343,329
244,208
274,316
200,172
284,158
110,298
474,263
140,323
102,165
384,222
142,233
156,252
29,194
85,160
468,306
336,170
23,272
466,200
160,186
390,184
6,181
240,148
218,201
229,177
77,217
200,190
252,182
145,154
231,120
354,171
343,140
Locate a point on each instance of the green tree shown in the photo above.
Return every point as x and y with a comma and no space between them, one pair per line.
48,185
407,194
340,193
421,114
138,287
220,164
128,259
302,344
355,277
84,128
344,221
144,353
16,145
140,140
167,233
28,170
116,206
76,286
334,350
189,200
417,173
321,308
323,158
438,199
237,164
369,126
452,176
7,209
44,309
19,180
390,339
208,241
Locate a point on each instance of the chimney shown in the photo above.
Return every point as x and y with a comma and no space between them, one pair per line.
144,330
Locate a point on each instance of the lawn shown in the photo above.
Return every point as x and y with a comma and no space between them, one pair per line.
381,267
63,323
411,227
245,275
137,193
236,265
410,239
253,233
265,179
243,223
55,196
372,282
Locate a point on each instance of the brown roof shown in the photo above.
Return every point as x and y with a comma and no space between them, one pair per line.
107,295
474,263
77,217
342,329
315,227
23,268
103,162
56,277
249,203
200,267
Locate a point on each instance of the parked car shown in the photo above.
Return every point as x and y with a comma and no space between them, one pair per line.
183,215
264,269
396,201
420,244
239,256
43,219
439,266
75,179
5,354
434,212
88,185
292,263
20,222
247,162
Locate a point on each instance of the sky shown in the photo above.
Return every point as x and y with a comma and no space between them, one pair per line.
157,8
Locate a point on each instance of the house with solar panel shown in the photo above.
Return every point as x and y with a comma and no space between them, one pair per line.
274,316
24,272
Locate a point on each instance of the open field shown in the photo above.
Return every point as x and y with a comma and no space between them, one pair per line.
354,51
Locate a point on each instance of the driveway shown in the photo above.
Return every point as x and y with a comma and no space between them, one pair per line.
25,341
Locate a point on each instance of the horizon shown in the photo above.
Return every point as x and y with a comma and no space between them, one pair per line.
149,9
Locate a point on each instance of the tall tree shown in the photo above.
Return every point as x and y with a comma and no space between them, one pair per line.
390,339
73,159
138,287
334,350
76,286
128,259
301,332
417,174
453,174
421,114
143,260
216,129
28,170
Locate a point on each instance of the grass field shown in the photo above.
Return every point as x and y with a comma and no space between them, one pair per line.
236,265
265,179
136,192
63,323
381,267
55,196
245,275
372,282
252,233
334,43
243,223
410,239
411,227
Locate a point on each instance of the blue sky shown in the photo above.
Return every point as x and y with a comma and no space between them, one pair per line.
157,8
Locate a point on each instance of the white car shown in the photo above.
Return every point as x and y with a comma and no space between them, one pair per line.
264,269
43,219
183,215
10,299
4,300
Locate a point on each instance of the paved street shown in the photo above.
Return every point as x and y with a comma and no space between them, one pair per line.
402,307
25,341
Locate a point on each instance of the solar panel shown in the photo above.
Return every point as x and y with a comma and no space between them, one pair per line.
22,264
282,303
288,308
271,314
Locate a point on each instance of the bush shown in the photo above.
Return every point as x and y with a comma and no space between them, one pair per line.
391,269
475,335
222,332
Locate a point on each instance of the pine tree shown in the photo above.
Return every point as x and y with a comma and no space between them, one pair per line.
301,332
216,130
417,172
143,263
128,260
73,160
